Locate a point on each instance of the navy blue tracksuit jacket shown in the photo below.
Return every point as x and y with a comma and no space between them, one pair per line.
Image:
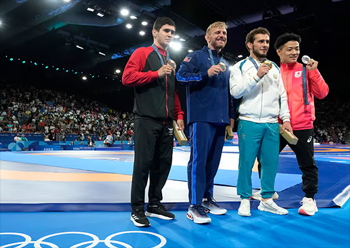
209,107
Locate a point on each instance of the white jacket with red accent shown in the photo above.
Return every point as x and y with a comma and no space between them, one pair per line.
302,115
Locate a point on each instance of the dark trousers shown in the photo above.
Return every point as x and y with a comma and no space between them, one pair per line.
153,157
206,141
304,151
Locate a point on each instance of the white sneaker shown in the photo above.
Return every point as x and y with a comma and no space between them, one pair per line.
308,207
244,208
271,206
257,196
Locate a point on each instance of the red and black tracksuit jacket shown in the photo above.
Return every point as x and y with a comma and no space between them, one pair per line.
154,97
156,104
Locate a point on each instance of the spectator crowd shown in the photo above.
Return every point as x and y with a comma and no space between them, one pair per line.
332,125
57,114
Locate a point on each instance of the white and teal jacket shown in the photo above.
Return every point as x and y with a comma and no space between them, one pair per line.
264,99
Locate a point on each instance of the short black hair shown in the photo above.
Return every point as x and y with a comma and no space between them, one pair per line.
161,21
284,38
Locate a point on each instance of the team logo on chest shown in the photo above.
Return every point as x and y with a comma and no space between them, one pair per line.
275,76
298,74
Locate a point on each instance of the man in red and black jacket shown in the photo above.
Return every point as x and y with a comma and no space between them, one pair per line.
156,104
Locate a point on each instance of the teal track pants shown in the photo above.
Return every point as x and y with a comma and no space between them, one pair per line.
257,140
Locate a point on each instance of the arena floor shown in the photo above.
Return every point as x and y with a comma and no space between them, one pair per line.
81,199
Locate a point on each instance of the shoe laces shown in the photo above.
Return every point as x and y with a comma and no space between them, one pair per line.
138,214
200,209
245,202
306,201
213,202
272,204
158,206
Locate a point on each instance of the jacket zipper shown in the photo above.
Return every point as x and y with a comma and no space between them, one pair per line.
262,96
166,94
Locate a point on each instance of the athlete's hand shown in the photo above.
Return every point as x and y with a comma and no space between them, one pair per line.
263,70
165,70
312,65
180,124
286,126
214,70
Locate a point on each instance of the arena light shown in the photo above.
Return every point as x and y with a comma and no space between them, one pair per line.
133,17
124,12
177,36
240,56
100,14
176,45
0,23
144,23
142,33
11,59
77,46
66,1
90,9
128,26
84,78
190,50
103,54
117,71
182,39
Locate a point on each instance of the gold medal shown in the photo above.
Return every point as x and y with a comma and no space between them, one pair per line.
268,63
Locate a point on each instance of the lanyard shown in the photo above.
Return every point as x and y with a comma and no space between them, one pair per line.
254,63
159,55
305,86
211,57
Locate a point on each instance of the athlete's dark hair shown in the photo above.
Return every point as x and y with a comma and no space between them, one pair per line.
251,35
161,21
284,38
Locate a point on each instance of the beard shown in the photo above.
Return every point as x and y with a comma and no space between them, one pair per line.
259,54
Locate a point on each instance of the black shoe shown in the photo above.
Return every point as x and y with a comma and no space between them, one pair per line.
139,219
159,211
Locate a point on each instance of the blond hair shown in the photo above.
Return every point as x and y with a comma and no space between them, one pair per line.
216,25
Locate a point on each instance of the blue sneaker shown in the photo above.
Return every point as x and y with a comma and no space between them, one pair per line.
198,215
213,207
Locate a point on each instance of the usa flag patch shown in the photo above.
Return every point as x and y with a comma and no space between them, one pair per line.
187,59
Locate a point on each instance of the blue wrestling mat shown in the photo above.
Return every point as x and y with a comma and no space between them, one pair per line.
178,172
333,163
327,229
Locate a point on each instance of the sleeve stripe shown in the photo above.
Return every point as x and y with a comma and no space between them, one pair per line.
188,79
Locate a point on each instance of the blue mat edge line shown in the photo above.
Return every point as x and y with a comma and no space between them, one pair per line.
115,207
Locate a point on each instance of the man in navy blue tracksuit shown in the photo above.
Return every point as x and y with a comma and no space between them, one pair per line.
209,110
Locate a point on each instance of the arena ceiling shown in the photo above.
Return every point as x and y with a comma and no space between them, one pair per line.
49,31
